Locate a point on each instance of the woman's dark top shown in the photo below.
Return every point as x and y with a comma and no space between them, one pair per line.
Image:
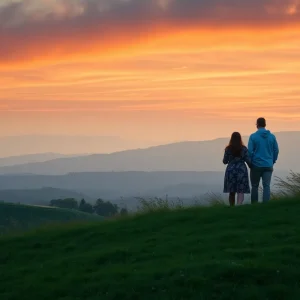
236,175
244,157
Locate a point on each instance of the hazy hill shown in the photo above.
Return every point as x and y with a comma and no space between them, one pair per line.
30,158
16,217
184,156
66,144
248,252
118,187
41,196
114,184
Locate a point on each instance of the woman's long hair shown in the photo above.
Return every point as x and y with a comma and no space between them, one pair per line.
236,144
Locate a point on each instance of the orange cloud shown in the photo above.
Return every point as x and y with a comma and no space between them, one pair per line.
40,32
108,65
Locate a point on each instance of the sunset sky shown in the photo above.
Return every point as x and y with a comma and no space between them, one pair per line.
160,70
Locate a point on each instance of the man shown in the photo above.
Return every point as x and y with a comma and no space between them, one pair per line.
263,149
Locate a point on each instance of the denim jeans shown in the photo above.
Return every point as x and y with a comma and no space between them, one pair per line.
255,175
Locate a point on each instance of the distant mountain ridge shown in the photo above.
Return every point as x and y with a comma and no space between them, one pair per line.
120,187
40,196
182,156
123,182
30,158
65,144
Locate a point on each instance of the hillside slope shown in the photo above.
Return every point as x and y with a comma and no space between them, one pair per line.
249,252
65,144
29,158
15,217
189,156
41,196
112,184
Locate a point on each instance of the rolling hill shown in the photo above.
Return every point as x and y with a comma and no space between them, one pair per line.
120,188
201,253
30,158
65,144
109,181
184,156
17,217
41,196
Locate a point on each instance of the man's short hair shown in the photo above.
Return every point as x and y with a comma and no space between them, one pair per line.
261,122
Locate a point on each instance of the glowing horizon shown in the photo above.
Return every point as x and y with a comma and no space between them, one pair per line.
156,68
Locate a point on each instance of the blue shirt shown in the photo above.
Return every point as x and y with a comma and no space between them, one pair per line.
263,148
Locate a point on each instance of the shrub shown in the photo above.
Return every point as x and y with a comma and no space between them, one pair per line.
288,187
216,200
157,204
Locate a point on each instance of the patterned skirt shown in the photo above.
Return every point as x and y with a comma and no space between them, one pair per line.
237,178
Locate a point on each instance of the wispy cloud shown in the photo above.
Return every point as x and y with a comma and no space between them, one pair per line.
42,29
85,66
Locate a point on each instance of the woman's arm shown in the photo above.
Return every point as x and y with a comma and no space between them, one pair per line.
226,157
246,157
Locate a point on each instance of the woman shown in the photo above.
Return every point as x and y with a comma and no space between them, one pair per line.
236,175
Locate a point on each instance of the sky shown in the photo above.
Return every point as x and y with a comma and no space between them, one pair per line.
155,70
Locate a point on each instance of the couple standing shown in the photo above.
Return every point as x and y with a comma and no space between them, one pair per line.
260,156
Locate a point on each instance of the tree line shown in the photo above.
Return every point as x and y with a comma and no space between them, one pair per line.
101,207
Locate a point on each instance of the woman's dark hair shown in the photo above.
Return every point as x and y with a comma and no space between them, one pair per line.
236,144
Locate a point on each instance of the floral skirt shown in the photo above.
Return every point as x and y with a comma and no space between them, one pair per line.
237,178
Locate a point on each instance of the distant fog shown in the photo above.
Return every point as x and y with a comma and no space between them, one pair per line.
36,144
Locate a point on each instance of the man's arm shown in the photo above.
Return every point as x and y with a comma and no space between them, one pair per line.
275,150
251,147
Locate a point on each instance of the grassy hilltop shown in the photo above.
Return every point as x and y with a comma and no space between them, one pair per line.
17,217
248,252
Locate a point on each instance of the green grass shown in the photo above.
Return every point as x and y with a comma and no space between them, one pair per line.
247,252
15,217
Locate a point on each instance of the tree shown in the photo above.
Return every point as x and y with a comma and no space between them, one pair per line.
105,208
82,204
124,211
86,207
68,203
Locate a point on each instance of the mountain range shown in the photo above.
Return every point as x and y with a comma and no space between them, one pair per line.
30,158
182,156
119,187
41,196
66,144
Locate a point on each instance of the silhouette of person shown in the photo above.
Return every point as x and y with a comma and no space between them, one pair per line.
263,151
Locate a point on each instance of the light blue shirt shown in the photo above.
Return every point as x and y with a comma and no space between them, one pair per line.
263,148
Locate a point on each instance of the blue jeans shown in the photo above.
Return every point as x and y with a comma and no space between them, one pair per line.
255,175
